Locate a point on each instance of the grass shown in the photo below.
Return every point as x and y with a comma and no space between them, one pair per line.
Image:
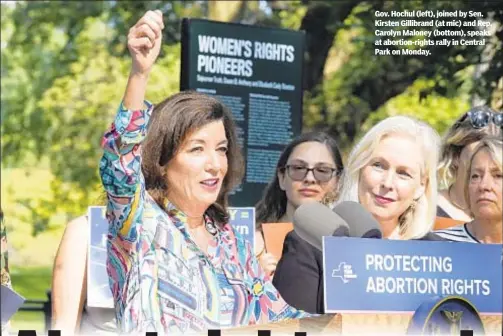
32,283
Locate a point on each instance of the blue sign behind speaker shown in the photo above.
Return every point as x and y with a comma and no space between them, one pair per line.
243,221
375,275
445,316
98,290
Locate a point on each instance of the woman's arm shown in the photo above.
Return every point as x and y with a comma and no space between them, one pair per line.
266,259
120,166
120,171
69,274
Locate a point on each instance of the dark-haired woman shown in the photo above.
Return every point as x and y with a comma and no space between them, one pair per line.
307,170
175,264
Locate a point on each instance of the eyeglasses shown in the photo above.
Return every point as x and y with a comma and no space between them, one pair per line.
481,117
321,174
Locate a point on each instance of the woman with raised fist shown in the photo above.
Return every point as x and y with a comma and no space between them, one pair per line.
175,263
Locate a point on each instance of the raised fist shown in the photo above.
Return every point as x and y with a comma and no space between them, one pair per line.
144,41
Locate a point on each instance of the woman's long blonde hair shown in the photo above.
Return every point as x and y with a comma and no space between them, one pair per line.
419,218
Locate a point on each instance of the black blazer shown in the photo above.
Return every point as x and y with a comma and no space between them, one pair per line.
299,274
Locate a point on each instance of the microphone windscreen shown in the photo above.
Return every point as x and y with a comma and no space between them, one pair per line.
361,222
313,220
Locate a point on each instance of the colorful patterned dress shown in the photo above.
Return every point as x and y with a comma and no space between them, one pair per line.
161,281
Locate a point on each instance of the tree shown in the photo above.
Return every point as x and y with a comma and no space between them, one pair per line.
56,105
366,82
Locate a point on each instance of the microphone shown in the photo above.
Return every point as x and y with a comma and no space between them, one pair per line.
312,221
361,222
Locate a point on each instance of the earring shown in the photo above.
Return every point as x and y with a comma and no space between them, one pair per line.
211,228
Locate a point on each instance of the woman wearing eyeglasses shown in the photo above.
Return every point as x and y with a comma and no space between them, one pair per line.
307,170
391,172
457,149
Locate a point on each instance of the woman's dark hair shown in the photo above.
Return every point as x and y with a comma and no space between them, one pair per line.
171,121
272,206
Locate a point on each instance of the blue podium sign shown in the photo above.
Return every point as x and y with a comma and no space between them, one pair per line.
374,275
98,290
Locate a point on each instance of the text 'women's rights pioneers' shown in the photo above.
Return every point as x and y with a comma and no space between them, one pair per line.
424,32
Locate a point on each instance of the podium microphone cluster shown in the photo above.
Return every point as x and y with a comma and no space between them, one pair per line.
312,221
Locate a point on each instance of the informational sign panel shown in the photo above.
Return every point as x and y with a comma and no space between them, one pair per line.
374,275
257,73
98,289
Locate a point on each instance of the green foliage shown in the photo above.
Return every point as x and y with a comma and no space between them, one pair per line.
438,111
291,14
25,196
362,88
80,107
66,120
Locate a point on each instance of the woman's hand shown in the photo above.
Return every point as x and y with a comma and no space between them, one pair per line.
144,41
268,263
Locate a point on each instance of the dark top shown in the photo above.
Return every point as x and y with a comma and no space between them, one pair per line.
441,212
299,274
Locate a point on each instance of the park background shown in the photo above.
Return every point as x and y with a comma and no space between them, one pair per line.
64,67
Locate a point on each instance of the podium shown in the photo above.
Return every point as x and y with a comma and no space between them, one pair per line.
345,270
351,324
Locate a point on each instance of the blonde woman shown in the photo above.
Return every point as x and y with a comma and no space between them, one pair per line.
458,145
483,190
392,173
